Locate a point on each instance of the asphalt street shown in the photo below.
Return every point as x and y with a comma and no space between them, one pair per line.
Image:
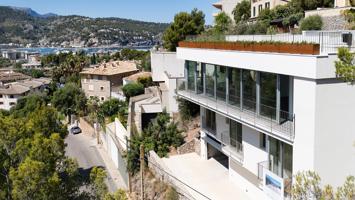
83,149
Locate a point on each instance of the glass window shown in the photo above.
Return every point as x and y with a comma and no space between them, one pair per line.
285,98
236,134
199,72
221,73
268,85
249,90
234,86
287,160
210,80
210,121
191,68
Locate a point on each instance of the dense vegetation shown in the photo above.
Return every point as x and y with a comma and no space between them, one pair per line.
185,24
160,135
21,28
33,163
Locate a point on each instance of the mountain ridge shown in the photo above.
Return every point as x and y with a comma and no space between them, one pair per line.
25,26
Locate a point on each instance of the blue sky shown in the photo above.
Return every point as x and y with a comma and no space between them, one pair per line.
146,10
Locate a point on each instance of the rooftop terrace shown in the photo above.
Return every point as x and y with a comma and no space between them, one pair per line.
308,42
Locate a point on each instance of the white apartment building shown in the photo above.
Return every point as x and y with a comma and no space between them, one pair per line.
266,116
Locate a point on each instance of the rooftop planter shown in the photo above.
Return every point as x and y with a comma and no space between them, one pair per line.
276,47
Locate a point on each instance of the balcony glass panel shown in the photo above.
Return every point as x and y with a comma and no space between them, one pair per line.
199,74
221,73
191,68
234,86
249,90
268,85
210,80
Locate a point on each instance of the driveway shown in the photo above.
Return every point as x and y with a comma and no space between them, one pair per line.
206,176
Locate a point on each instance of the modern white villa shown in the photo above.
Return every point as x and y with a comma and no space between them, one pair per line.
267,115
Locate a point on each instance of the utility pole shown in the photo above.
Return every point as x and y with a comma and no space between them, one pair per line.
141,156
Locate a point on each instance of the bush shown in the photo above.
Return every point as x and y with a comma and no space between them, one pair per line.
133,89
146,81
222,23
171,194
188,109
312,23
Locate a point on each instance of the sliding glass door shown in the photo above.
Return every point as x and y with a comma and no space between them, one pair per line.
268,88
210,80
221,75
234,86
191,69
249,90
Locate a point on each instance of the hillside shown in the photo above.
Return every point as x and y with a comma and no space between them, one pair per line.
21,27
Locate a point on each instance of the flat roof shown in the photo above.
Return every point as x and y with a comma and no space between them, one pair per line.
111,68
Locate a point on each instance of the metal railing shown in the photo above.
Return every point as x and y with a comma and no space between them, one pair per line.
261,166
278,122
329,41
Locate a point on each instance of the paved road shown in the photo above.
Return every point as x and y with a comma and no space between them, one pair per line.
83,149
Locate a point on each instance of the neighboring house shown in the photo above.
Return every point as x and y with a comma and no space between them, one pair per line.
105,81
258,5
10,93
226,6
267,116
10,76
166,69
143,109
13,55
33,61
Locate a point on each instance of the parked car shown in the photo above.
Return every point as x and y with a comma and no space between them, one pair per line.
75,130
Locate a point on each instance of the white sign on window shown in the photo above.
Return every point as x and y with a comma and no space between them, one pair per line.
273,185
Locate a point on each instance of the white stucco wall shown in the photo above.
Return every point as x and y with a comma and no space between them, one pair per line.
335,132
304,109
166,63
306,66
252,152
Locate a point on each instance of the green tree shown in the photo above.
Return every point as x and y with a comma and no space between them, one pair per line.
185,24
187,109
69,100
345,69
312,23
242,11
222,23
132,89
146,81
97,178
160,135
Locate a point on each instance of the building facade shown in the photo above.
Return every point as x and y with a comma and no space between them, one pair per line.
267,116
226,6
259,5
104,81
10,93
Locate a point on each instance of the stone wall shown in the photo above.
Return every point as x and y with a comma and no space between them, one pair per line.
334,23
192,146
86,127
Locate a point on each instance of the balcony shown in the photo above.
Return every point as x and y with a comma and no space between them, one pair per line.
279,124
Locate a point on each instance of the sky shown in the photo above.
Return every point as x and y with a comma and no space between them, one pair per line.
145,10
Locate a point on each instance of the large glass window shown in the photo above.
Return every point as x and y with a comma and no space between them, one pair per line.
199,73
249,90
280,155
236,134
268,85
221,73
285,98
210,80
234,86
210,121
191,68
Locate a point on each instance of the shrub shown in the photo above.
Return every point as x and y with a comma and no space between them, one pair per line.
171,194
146,81
188,109
312,23
222,22
133,89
